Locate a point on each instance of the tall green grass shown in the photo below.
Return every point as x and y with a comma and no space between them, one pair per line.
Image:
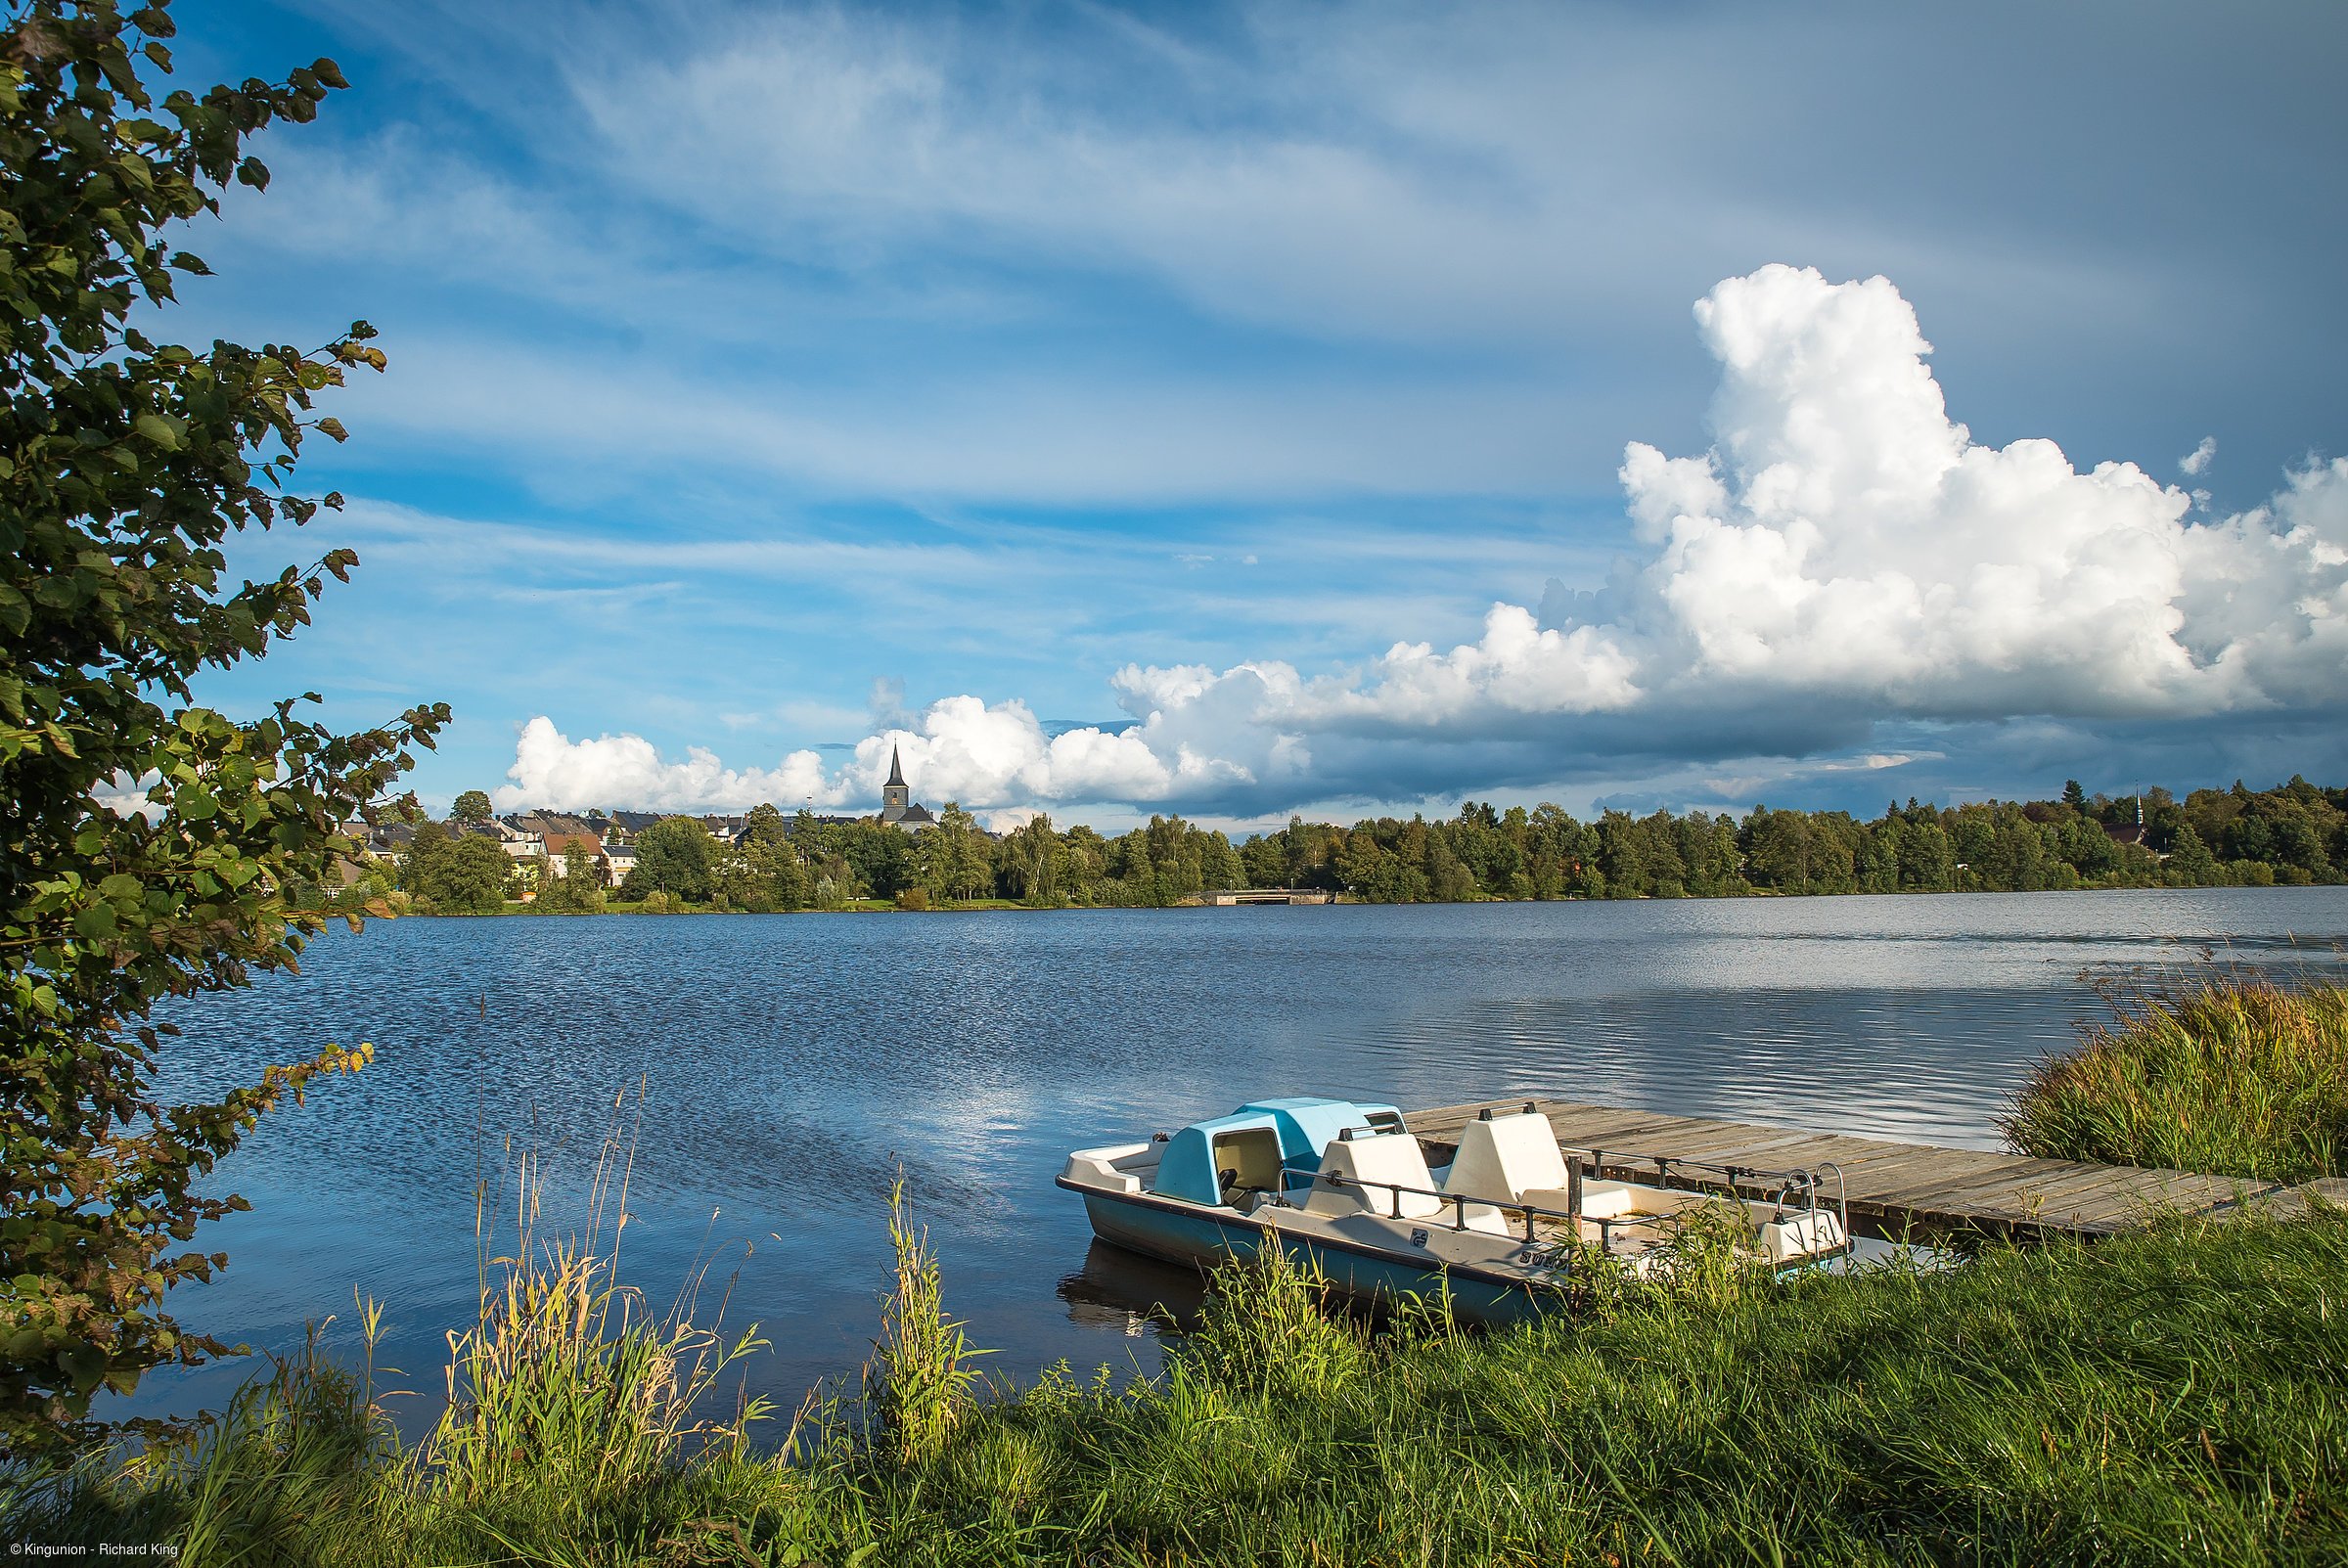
298,1453
920,1385
2234,1076
1277,1330
2176,1396
579,1426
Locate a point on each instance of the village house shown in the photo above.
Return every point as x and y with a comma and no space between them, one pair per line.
388,840
519,843
549,822
558,849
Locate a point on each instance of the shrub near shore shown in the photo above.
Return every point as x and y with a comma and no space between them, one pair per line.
2179,1395
2232,1077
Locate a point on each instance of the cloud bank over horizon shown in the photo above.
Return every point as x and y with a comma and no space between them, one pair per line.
1844,558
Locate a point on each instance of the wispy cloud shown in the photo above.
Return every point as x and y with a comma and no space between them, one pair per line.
1845,556
741,354
1068,259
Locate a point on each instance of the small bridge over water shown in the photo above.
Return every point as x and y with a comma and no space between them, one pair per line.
1269,895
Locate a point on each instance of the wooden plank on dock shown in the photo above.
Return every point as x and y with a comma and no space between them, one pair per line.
1896,1188
2325,1192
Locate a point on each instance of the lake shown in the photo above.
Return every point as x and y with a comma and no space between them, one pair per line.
789,1066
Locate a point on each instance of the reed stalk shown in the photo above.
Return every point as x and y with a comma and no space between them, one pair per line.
921,1387
1274,1328
567,1381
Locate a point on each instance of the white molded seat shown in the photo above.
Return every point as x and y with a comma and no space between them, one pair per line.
1507,1159
1383,1157
1800,1235
1500,1160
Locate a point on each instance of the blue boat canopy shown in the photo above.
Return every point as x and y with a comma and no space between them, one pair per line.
1251,1149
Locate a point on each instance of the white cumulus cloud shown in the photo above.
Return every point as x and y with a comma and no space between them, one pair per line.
1845,540
2197,460
1844,554
625,771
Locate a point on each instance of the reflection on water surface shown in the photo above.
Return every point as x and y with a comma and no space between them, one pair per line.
792,1065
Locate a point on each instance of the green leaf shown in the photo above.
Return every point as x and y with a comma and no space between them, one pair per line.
163,432
85,1364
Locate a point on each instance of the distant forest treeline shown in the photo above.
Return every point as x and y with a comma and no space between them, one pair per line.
2294,834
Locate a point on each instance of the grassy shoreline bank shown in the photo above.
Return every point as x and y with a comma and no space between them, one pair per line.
2232,1076
2179,1395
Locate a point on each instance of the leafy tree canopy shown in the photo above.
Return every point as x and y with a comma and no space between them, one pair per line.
125,464
674,856
461,874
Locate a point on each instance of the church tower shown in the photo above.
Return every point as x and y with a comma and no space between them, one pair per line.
896,795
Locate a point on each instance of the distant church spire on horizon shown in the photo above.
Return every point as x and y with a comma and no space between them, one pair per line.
896,797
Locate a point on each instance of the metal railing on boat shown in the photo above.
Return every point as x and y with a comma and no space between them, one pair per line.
1805,1181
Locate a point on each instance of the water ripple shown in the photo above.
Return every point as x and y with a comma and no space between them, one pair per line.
791,1068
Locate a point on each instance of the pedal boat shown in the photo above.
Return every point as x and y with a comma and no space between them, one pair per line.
1500,1224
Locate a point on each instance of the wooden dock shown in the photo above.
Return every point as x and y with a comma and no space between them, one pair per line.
1899,1189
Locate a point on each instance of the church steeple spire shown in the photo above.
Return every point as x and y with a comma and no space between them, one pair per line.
896,800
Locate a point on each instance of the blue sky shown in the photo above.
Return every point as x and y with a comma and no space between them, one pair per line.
771,384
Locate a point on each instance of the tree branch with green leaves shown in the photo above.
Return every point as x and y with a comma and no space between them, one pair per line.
146,844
